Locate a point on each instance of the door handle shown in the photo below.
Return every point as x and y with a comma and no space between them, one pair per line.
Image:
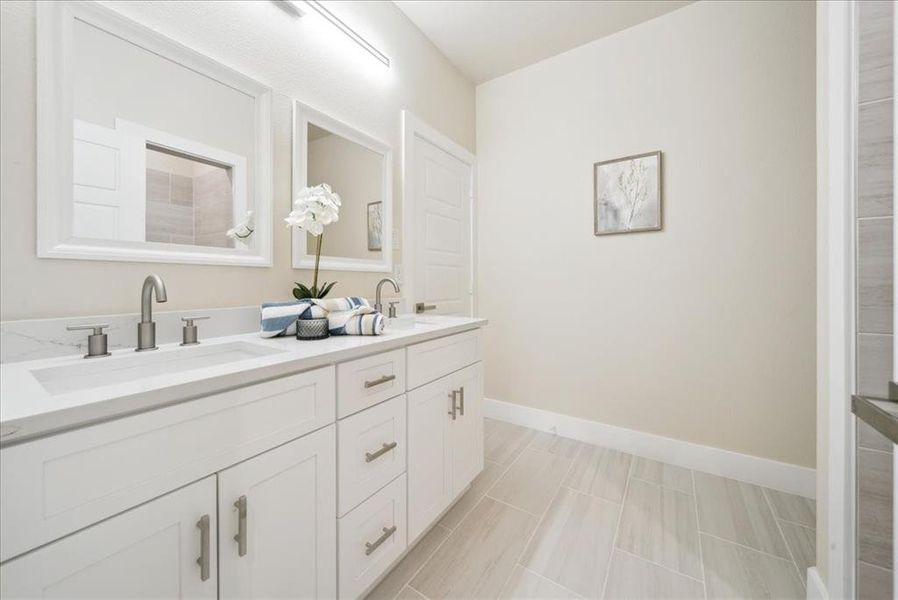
452,412
240,538
369,456
204,560
379,380
421,307
372,546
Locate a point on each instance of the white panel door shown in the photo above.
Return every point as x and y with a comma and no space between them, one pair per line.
429,455
442,247
466,431
278,522
109,184
151,551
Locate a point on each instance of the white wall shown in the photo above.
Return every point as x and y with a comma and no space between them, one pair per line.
704,331
307,59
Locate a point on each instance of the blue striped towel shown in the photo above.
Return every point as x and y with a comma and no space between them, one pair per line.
346,316
279,318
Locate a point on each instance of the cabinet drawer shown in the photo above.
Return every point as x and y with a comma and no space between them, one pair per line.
431,360
371,538
371,451
53,486
365,382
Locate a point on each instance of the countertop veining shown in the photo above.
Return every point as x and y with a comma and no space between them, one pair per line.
28,410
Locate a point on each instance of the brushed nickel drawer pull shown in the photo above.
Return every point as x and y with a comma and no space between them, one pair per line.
240,538
203,561
369,456
372,546
453,412
379,381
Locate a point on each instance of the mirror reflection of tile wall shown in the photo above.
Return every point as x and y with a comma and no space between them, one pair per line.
875,328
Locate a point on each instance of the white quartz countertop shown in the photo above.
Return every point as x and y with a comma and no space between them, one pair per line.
28,409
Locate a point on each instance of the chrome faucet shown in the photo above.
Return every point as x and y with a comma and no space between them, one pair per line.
378,306
146,329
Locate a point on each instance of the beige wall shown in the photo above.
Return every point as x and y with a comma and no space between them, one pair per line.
702,332
309,61
356,173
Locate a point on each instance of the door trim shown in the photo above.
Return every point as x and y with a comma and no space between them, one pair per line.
836,81
413,127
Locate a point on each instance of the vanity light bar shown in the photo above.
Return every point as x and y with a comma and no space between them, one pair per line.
336,22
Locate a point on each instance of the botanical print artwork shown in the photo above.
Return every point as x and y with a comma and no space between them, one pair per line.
628,194
375,225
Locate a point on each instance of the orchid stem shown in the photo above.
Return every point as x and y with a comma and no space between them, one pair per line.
317,260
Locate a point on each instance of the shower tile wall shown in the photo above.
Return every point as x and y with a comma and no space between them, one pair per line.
169,208
875,328
189,210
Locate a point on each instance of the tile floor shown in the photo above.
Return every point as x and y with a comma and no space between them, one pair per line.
551,517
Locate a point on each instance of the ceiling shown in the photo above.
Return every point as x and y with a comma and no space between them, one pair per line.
486,39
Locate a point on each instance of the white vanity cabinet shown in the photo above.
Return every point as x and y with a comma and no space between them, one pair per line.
445,424
161,549
276,528
306,485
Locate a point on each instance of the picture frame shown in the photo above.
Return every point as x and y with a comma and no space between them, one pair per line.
375,226
627,194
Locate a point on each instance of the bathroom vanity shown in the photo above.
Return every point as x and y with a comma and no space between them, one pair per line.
238,468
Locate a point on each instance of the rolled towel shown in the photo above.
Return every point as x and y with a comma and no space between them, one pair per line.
340,304
279,318
362,320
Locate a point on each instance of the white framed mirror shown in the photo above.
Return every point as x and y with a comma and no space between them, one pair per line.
147,150
359,168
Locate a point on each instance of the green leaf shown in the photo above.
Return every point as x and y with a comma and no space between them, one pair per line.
301,292
326,287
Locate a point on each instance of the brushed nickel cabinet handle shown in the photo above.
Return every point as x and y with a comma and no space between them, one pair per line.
372,546
369,456
203,561
240,538
452,412
379,381
461,406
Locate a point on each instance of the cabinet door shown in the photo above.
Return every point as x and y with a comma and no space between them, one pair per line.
153,551
429,455
466,432
278,522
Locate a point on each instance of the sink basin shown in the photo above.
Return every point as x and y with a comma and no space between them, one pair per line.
99,372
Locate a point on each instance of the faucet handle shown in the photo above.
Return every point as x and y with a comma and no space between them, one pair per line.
96,342
98,328
392,309
189,320
189,335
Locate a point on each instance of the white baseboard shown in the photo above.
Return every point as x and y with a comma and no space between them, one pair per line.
816,587
762,471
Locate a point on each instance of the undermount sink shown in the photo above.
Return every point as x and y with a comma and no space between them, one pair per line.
123,369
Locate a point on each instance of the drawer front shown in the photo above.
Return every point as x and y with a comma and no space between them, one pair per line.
365,382
431,360
53,486
371,538
371,451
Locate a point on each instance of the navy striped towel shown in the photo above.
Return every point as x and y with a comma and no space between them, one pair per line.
346,316
279,318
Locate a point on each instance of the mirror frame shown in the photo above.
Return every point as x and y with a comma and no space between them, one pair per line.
55,134
302,259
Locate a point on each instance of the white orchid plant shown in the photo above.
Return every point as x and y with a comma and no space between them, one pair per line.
314,208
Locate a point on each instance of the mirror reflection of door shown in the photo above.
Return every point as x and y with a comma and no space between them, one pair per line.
160,151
